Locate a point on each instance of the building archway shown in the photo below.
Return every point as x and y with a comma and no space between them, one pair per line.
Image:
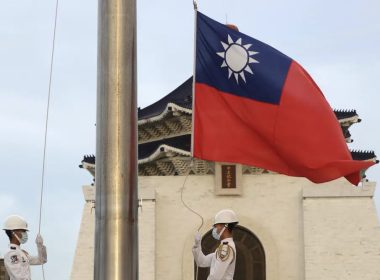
250,262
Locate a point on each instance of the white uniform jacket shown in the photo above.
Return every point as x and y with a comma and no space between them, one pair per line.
17,262
221,262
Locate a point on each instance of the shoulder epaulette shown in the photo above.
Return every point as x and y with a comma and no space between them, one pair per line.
14,259
224,252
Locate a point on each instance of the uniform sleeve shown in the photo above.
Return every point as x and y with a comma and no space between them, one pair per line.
200,258
221,266
41,258
14,267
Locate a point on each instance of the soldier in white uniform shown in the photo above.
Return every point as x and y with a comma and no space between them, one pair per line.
222,261
17,261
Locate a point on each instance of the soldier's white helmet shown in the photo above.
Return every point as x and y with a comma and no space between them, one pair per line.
225,216
14,222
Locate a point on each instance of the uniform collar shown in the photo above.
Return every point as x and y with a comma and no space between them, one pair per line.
228,239
11,246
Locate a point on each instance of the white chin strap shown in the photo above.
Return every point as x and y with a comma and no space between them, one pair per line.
221,232
15,235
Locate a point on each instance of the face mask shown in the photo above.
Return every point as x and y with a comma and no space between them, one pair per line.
23,239
215,233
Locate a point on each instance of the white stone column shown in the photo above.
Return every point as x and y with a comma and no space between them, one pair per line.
147,231
147,240
83,265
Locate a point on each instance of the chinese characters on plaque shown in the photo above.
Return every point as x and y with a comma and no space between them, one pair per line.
228,176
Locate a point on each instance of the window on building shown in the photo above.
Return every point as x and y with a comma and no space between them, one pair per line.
250,262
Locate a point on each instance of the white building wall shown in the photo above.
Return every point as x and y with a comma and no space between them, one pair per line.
342,233
271,207
308,231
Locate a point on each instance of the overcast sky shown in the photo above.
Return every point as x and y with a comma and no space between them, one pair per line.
336,41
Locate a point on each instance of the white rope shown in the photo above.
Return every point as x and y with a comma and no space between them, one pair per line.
183,202
195,5
46,125
190,209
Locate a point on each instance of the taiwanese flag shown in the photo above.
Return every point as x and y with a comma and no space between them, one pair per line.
256,106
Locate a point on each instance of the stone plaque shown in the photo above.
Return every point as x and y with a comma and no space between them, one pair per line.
228,176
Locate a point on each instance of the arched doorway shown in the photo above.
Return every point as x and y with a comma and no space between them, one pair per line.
250,261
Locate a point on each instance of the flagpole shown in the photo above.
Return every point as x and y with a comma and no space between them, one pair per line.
194,73
116,236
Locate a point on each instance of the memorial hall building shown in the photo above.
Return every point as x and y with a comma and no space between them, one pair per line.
289,228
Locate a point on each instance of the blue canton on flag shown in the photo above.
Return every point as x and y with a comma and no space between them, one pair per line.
238,64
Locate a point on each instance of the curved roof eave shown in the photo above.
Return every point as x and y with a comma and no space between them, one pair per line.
170,107
163,149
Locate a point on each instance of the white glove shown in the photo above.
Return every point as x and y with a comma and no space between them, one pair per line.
197,239
39,240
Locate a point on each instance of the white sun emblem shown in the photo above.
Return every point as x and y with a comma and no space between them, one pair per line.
237,58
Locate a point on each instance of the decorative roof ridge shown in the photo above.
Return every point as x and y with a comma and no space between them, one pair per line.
170,107
89,159
181,95
364,155
351,111
163,149
88,163
347,115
